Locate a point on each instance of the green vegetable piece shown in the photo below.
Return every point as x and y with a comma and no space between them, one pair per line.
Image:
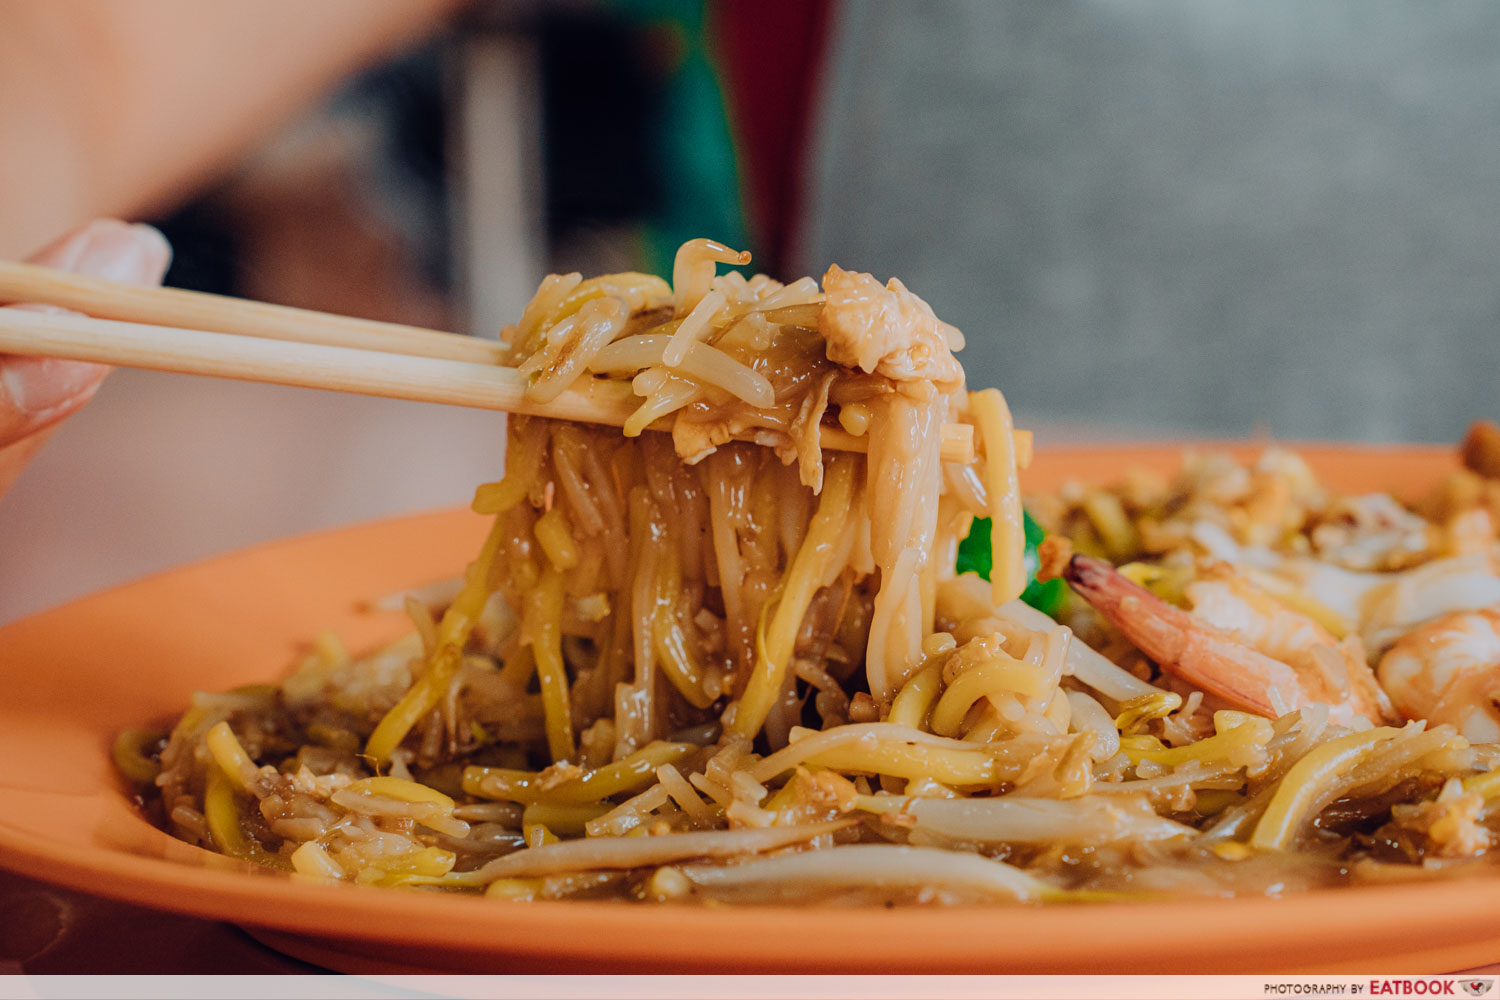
974,554
974,557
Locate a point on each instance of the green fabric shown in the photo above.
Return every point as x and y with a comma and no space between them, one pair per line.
696,155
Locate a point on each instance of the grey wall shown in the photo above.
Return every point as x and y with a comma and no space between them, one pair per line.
1183,216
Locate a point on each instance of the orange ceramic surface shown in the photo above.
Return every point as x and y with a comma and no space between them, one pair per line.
74,676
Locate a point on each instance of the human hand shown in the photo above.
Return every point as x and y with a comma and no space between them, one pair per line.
36,393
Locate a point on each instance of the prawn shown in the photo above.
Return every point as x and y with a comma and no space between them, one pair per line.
1381,607
1448,670
1240,645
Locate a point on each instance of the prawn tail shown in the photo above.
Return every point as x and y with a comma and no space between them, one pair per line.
1185,645
1155,627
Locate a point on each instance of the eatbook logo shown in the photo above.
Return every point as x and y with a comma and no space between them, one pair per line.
1477,987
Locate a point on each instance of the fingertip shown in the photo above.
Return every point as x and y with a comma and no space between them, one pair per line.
135,254
156,249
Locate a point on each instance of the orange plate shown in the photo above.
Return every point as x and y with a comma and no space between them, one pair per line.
74,676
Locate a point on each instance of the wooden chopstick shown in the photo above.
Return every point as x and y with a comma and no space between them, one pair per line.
348,369
313,366
186,310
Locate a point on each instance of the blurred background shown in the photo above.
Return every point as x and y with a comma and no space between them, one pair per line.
1155,219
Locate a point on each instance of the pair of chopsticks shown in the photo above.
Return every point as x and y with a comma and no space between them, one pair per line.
172,330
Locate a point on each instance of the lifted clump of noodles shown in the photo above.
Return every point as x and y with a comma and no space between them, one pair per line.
704,660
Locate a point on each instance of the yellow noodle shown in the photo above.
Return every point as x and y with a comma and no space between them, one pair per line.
916,697
1008,530
523,460
887,740
1486,785
1238,734
1299,792
230,756
629,774
563,818
544,623
678,660
1104,509
1002,675
453,631
802,582
556,537
222,813
126,752
950,767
